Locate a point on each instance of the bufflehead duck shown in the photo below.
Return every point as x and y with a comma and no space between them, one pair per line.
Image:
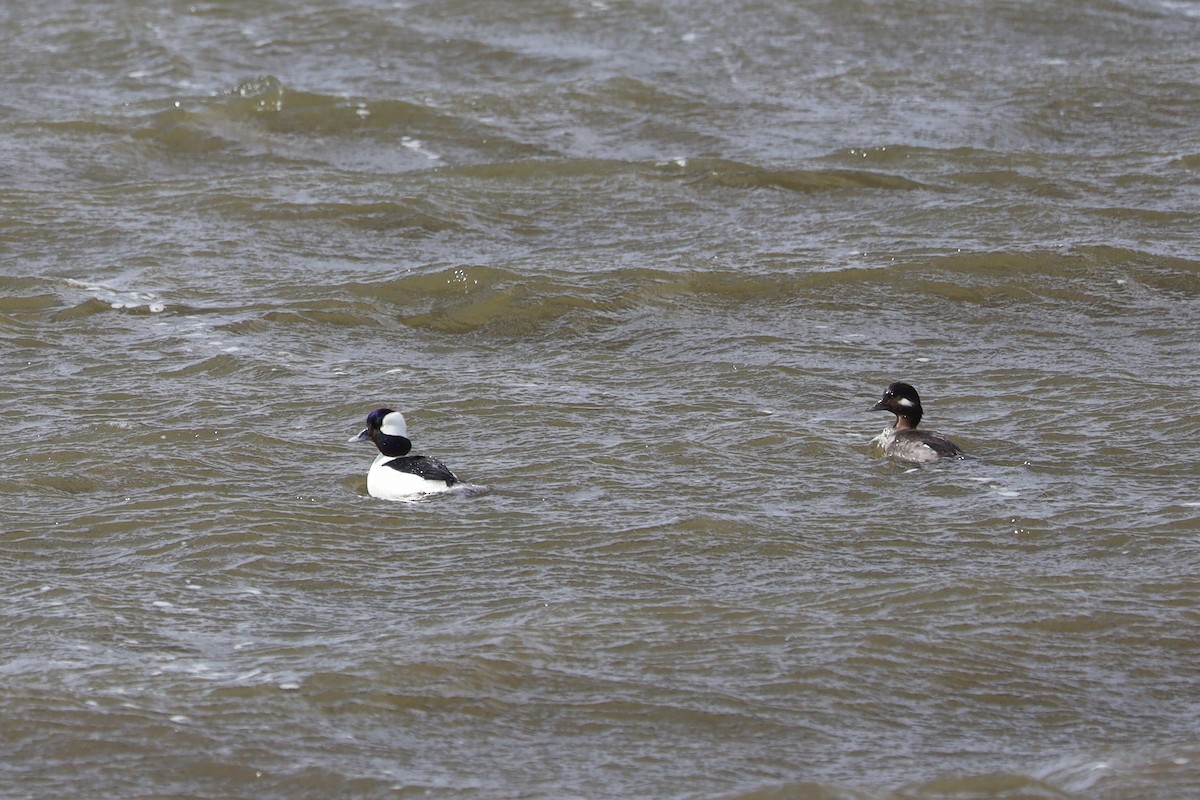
395,475
903,441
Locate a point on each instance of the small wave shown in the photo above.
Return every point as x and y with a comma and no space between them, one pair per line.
1186,8
507,303
83,299
733,174
285,110
504,302
264,116
414,217
809,790
997,785
100,298
119,299
1161,766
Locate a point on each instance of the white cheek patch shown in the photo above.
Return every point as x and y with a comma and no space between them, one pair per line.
394,425
904,401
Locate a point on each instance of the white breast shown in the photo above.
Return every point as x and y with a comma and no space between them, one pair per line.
885,438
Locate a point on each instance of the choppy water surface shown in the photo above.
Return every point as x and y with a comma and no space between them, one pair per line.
640,268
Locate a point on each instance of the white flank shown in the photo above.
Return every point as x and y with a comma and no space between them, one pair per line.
390,484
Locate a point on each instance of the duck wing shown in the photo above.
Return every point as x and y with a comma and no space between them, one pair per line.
939,444
425,466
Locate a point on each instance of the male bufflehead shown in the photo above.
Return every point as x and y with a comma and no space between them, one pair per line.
395,475
903,441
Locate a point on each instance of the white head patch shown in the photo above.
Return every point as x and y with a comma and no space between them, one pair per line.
394,425
904,401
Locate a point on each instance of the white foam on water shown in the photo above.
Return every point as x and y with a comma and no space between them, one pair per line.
1188,8
119,299
417,146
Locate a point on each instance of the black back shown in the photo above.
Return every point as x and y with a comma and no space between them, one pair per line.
428,468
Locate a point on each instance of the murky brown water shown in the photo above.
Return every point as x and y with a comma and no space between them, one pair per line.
639,268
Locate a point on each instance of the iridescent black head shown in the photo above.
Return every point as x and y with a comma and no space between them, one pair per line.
388,430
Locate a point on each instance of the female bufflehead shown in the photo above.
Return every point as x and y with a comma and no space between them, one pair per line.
395,475
903,441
